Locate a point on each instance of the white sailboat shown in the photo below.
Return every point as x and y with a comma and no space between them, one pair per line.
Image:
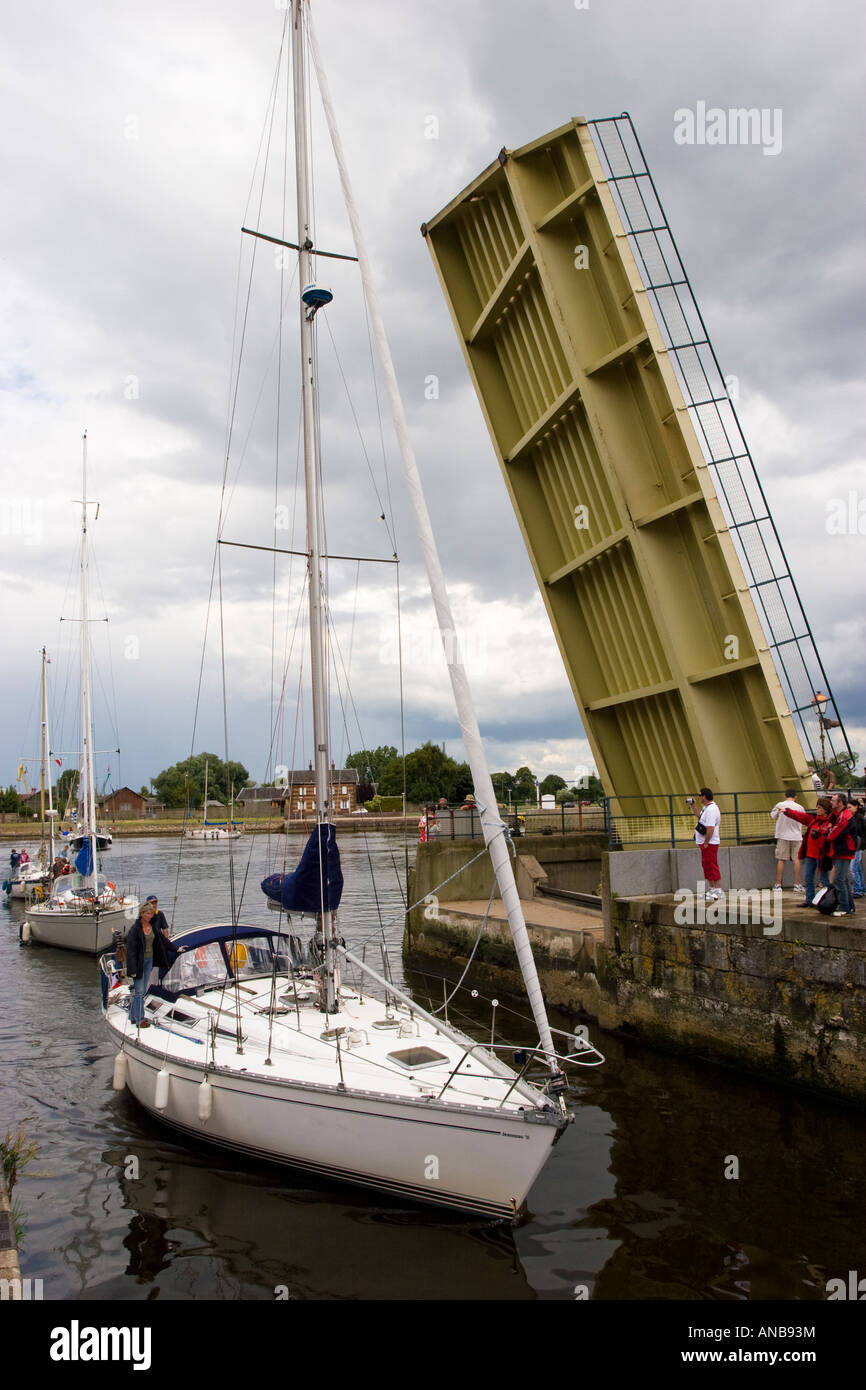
84,909
33,878
213,830
257,1047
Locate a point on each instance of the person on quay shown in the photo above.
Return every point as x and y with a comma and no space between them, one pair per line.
708,839
842,843
858,824
788,839
817,824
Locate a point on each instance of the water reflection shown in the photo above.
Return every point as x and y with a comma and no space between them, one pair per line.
195,1223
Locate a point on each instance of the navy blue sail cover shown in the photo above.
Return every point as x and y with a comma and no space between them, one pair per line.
84,859
316,885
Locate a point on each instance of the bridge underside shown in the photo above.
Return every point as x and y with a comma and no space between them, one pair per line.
671,669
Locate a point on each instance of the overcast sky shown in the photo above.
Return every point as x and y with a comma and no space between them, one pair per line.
130,139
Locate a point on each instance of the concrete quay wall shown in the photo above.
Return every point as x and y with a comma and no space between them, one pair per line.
783,999
790,1007
564,956
461,869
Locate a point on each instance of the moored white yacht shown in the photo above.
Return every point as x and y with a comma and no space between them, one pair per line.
239,1053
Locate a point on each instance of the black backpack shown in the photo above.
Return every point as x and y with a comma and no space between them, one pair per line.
826,901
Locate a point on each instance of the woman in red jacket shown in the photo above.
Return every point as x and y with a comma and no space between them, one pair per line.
812,845
842,844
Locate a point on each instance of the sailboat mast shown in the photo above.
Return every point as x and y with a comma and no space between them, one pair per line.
44,742
86,710
312,477
46,753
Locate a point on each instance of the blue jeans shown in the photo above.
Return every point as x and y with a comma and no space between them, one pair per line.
842,884
136,1005
809,868
857,874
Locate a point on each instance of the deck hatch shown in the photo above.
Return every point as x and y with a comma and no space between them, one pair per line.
413,1057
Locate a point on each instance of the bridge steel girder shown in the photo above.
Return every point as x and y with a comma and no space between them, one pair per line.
661,640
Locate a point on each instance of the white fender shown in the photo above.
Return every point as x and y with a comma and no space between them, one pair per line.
25,931
205,1101
121,1066
160,1098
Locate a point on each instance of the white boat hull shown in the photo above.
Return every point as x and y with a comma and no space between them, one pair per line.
89,932
463,1157
212,834
23,889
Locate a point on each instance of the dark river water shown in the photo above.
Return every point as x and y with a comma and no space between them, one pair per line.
634,1203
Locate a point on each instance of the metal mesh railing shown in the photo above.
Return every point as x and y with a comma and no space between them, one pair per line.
663,819
465,824
712,413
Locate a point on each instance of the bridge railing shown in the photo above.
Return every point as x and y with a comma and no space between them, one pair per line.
664,819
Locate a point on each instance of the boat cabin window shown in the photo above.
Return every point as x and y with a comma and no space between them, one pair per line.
197,968
75,885
254,955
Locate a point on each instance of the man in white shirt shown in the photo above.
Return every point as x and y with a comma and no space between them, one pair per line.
707,838
788,838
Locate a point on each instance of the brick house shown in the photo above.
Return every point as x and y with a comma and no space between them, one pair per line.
124,804
296,799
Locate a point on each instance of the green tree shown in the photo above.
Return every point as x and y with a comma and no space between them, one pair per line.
524,785
552,784
588,789
185,781
503,784
430,773
9,799
463,784
371,763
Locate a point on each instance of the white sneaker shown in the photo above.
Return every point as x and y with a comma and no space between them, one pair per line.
839,913
798,888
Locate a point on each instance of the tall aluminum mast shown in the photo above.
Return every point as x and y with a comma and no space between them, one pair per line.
86,710
46,753
312,481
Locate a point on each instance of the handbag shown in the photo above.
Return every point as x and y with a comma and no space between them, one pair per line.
826,900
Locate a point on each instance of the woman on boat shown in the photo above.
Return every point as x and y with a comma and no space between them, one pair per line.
146,947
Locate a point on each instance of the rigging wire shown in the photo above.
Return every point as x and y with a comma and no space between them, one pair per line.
238,342
389,527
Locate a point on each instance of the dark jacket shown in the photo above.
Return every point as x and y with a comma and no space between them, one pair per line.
164,952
